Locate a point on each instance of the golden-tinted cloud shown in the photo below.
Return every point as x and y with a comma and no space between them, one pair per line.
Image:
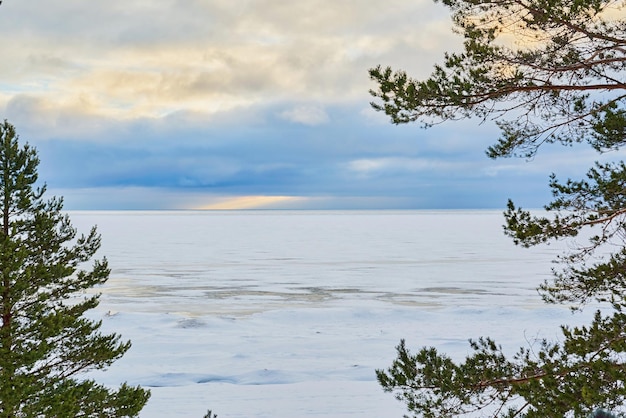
251,202
138,58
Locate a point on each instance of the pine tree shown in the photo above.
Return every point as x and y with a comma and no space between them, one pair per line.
547,72
45,340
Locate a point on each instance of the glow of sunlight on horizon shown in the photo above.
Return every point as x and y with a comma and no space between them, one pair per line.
251,202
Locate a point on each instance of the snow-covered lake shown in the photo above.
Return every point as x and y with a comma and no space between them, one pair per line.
287,314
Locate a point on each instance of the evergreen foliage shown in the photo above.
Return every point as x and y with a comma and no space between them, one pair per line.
546,71
45,341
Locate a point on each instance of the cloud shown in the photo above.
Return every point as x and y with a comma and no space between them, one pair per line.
258,153
306,115
377,166
74,117
148,59
253,202
182,104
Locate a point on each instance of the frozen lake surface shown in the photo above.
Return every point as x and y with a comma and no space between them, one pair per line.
287,314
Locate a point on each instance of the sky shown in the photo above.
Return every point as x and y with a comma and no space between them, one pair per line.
243,104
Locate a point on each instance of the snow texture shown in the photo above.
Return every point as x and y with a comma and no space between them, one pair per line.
288,314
